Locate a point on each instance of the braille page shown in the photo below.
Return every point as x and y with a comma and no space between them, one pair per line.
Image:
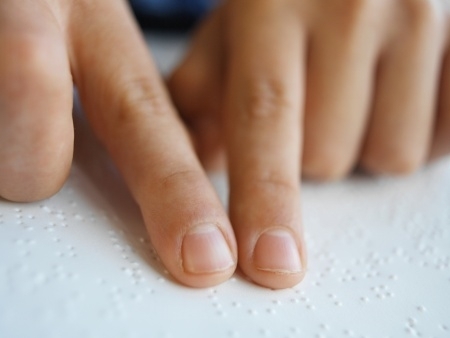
80,264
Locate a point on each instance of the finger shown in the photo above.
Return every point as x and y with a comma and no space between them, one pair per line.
130,111
340,71
399,135
196,87
36,133
262,119
441,140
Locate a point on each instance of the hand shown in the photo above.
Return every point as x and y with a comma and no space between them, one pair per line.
312,87
45,47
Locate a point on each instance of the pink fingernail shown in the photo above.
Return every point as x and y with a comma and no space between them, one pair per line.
205,250
276,251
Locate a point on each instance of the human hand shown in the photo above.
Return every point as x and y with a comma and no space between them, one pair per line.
45,47
315,87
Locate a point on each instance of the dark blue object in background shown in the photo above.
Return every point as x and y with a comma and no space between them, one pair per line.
170,14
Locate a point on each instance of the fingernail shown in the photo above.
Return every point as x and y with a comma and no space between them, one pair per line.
276,251
205,250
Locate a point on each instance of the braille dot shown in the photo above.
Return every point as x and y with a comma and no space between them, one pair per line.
265,332
271,311
411,321
127,271
295,330
324,326
349,333
39,278
421,308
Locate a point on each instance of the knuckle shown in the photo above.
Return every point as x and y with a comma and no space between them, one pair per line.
325,167
181,177
141,96
31,65
423,15
357,7
354,13
266,100
31,52
275,183
325,159
84,7
394,163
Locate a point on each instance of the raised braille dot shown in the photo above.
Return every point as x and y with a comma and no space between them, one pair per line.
349,333
393,277
127,271
411,321
39,278
271,311
421,308
46,208
324,326
24,253
265,332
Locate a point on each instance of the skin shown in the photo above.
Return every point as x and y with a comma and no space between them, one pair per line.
282,88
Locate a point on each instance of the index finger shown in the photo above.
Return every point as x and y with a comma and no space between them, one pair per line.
130,111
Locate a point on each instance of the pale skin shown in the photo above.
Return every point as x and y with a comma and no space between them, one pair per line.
284,88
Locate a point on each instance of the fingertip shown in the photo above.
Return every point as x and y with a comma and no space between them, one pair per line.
206,251
33,186
278,259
